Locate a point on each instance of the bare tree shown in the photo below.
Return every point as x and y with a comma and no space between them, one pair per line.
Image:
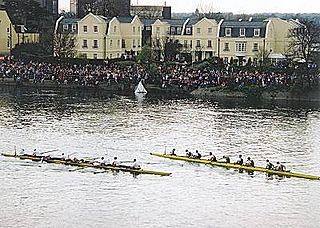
64,45
304,40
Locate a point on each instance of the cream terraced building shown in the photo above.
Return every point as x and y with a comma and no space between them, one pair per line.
237,40
98,37
10,37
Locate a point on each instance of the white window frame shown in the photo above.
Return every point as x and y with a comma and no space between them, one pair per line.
95,44
241,47
95,27
84,42
227,31
85,29
65,27
74,27
188,31
242,32
210,30
255,47
198,30
256,32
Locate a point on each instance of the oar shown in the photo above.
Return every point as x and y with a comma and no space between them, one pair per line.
72,170
48,151
15,150
96,172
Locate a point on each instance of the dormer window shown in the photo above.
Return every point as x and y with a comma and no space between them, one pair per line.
256,32
188,31
65,27
242,32
228,31
74,27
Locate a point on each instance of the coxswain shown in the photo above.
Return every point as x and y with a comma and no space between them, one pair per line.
197,155
115,162
212,157
188,154
250,162
227,159
240,160
269,165
135,164
280,167
173,152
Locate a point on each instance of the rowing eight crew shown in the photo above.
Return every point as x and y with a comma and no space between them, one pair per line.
226,159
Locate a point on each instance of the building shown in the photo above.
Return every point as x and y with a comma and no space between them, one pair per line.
11,35
99,37
151,12
50,5
237,41
107,8
255,40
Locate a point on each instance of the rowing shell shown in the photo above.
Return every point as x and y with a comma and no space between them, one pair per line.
87,164
230,165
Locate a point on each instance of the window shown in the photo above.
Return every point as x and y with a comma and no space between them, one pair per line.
8,30
111,43
188,31
110,56
85,43
138,29
114,28
198,30
84,55
74,27
133,43
158,29
190,43
148,28
139,45
198,43
185,44
242,32
209,30
134,29
65,27
95,29
255,47
118,43
8,43
123,43
226,47
85,29
95,56
256,32
241,47
179,30
209,44
227,32
95,43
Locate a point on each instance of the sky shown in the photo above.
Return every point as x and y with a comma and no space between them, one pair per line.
235,6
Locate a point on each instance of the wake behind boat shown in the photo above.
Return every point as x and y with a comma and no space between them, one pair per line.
236,166
86,164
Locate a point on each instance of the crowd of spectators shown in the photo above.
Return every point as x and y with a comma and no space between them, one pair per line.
179,76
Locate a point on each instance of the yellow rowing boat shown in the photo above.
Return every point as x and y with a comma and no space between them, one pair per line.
240,167
87,164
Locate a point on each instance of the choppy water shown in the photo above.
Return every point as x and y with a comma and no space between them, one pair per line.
48,195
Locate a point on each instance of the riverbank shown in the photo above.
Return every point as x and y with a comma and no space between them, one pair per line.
309,96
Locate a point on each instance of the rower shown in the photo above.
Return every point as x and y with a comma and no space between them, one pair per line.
250,162
115,162
269,165
188,154
227,158
135,164
173,152
197,155
22,152
212,157
104,161
240,160
36,153
280,167
64,156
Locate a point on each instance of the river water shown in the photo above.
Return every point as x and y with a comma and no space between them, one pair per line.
48,195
